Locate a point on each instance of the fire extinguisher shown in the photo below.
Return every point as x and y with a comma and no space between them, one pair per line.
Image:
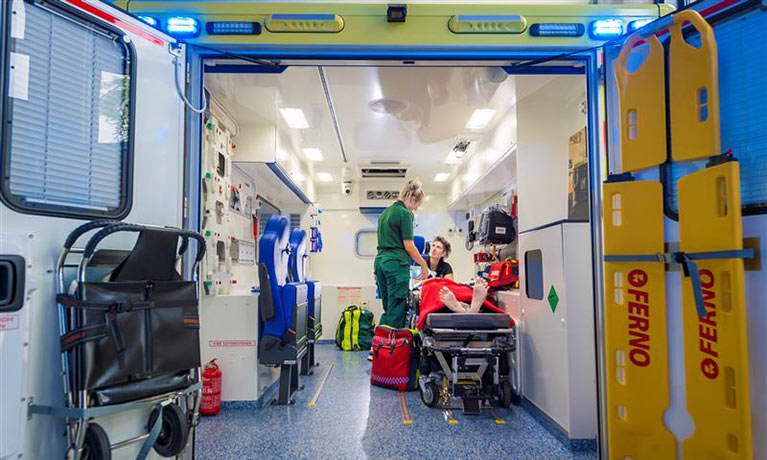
211,389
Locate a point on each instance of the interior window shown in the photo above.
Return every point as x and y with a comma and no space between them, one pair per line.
366,242
67,137
534,274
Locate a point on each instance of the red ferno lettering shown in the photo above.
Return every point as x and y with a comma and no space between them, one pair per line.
707,328
639,319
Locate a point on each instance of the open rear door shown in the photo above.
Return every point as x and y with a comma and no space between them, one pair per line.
683,350
92,128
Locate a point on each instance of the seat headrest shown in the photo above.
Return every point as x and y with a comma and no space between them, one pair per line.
273,248
298,255
420,243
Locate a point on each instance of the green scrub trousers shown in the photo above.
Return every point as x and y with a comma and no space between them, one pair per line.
393,280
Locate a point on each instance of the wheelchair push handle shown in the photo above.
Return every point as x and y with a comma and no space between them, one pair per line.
85,228
90,248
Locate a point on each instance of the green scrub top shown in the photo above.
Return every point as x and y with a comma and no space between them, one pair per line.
394,226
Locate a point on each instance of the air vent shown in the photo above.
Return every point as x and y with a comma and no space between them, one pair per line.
382,195
295,221
368,173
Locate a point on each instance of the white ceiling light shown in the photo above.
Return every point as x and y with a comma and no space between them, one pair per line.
452,159
480,118
325,177
313,154
441,177
294,118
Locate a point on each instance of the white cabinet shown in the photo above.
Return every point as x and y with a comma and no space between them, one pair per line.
557,326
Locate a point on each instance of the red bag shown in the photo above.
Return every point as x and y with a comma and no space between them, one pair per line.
504,275
395,359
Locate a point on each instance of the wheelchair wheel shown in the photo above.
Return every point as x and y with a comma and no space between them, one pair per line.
173,433
430,394
96,445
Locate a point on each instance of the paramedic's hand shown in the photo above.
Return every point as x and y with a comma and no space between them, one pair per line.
424,273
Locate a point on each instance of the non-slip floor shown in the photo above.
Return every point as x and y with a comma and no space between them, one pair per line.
353,420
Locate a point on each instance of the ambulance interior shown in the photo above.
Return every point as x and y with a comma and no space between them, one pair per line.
284,168
343,140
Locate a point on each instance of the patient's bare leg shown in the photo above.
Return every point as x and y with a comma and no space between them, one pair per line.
448,298
479,296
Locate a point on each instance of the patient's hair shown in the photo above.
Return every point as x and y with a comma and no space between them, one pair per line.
412,188
445,244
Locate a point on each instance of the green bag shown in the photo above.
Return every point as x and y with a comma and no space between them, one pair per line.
355,329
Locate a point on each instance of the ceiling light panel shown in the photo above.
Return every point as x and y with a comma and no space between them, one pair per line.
313,154
441,177
325,177
294,118
480,119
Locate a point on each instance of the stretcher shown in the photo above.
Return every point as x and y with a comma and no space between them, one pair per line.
467,361
715,334
635,318
642,105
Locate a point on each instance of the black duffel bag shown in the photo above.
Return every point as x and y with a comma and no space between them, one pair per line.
142,322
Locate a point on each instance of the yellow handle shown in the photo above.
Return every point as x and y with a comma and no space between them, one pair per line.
698,22
620,63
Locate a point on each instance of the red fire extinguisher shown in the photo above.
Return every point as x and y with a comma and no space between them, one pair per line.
211,389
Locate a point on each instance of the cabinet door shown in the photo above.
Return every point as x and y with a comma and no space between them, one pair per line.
545,376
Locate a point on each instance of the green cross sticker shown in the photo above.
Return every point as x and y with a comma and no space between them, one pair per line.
553,299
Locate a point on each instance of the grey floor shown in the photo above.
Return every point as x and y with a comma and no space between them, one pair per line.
353,420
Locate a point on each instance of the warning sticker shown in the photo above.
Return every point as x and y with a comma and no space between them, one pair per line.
553,299
231,343
9,322
349,296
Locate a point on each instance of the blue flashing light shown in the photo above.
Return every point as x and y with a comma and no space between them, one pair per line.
639,23
149,20
554,29
183,26
604,29
233,28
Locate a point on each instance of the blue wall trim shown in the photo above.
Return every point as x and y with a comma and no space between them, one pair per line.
244,68
283,176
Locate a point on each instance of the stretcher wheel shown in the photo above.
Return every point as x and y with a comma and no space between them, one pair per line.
430,394
96,445
173,433
508,395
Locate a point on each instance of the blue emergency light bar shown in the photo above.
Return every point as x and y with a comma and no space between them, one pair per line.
233,28
554,29
604,29
639,23
183,26
149,20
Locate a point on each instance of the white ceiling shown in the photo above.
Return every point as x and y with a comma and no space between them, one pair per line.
429,110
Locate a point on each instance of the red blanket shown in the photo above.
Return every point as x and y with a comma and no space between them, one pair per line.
430,302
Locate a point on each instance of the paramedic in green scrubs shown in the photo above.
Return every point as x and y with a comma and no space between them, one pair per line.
395,250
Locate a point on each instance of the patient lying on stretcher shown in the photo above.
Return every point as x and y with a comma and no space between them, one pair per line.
478,298
439,294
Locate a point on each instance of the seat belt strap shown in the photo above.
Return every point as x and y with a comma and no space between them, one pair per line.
690,268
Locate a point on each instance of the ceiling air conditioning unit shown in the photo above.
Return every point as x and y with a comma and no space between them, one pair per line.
374,198
383,172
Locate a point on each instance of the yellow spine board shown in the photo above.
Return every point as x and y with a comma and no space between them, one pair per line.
716,348
693,91
642,102
635,317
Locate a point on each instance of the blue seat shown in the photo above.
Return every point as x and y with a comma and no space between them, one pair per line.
298,256
282,308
